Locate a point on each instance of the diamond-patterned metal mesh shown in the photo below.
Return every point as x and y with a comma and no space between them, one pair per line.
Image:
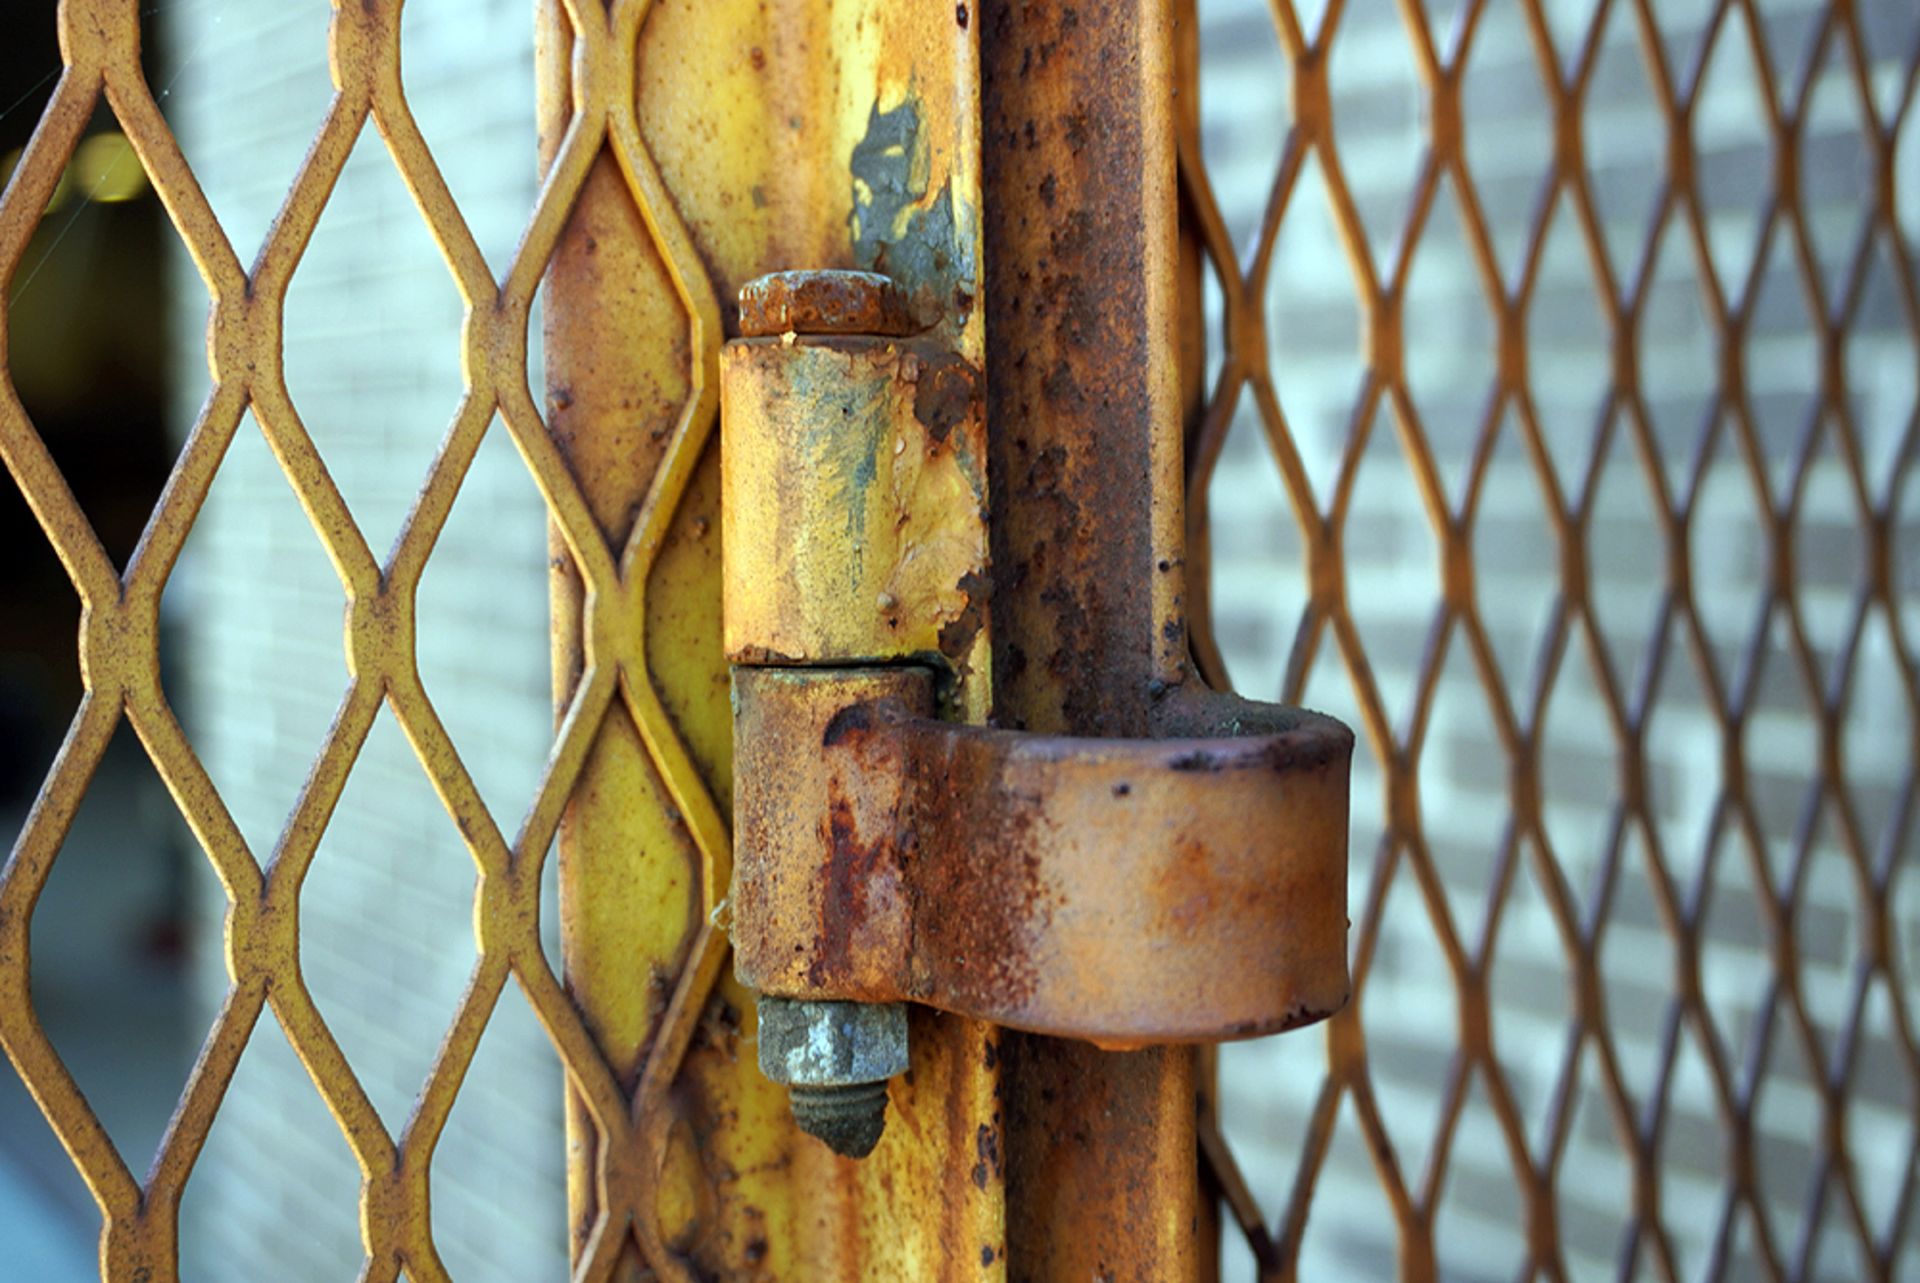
1609,549
1710,1020
119,649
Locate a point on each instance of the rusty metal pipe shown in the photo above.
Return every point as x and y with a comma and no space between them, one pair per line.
1078,158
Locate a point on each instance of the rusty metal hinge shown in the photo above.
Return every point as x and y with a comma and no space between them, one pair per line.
1185,888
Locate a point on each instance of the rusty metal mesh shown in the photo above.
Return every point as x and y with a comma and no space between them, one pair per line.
100,41
1700,1031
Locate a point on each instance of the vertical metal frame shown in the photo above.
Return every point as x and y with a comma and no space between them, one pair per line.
739,139
1084,424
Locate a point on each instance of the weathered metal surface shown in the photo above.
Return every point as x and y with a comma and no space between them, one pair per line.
825,302
835,1058
684,1162
802,928
760,122
1083,401
844,135
886,436
633,323
1082,383
737,141
1126,891
855,504
825,1043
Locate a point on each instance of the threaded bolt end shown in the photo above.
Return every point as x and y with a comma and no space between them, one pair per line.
849,1119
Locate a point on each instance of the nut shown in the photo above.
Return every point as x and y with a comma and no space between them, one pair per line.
835,1059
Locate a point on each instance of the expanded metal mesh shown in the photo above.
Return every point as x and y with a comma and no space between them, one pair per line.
1607,545
100,41
1692,972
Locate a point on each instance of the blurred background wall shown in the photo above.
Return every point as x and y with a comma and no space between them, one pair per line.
129,980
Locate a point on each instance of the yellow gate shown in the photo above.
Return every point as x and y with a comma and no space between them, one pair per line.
1585,369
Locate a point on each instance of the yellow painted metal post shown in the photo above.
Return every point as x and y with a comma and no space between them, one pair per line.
712,144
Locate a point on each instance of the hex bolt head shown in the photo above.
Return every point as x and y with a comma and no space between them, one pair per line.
834,1059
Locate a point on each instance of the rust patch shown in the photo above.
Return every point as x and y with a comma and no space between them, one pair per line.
851,869
975,846
957,634
824,303
945,393
851,724
986,1148
1071,236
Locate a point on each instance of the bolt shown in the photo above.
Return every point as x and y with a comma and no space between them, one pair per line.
834,1058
